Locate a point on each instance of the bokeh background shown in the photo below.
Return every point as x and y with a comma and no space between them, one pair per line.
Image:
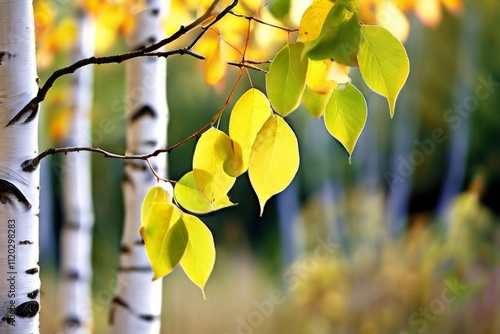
404,239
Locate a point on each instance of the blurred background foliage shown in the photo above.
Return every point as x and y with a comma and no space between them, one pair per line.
411,227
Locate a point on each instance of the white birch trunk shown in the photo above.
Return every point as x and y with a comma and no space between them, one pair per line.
76,239
19,190
137,305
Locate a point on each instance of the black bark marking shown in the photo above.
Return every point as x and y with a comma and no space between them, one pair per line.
32,116
121,302
144,111
10,320
29,166
139,242
136,269
152,40
33,294
7,190
155,11
32,271
125,249
127,179
72,226
136,165
152,143
26,242
72,322
28,309
31,108
72,275
6,53
147,317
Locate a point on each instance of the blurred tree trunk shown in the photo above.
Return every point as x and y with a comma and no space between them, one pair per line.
401,171
137,305
19,189
76,238
460,130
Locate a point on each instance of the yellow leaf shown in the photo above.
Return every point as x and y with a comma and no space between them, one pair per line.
199,258
161,193
313,19
189,197
216,162
215,65
165,237
59,125
317,77
248,116
428,11
274,159
393,19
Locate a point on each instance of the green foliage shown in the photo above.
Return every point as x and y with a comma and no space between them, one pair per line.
313,71
339,37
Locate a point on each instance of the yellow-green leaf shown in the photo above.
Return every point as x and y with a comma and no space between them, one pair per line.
383,63
189,197
345,115
165,237
286,79
274,159
313,19
161,193
340,34
315,103
215,157
247,118
199,258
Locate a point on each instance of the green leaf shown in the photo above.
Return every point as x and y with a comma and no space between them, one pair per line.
340,36
279,8
189,197
345,115
383,63
165,237
286,78
274,160
199,258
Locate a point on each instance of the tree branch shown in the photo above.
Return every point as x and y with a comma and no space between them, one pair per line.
31,108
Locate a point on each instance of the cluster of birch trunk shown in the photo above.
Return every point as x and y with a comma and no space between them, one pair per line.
136,306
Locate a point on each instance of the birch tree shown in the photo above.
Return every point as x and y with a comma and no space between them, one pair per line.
76,237
137,305
259,139
19,188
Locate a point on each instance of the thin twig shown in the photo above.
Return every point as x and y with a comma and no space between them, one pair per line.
251,18
31,165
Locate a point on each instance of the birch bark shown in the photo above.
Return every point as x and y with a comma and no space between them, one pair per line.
137,305
19,190
76,239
